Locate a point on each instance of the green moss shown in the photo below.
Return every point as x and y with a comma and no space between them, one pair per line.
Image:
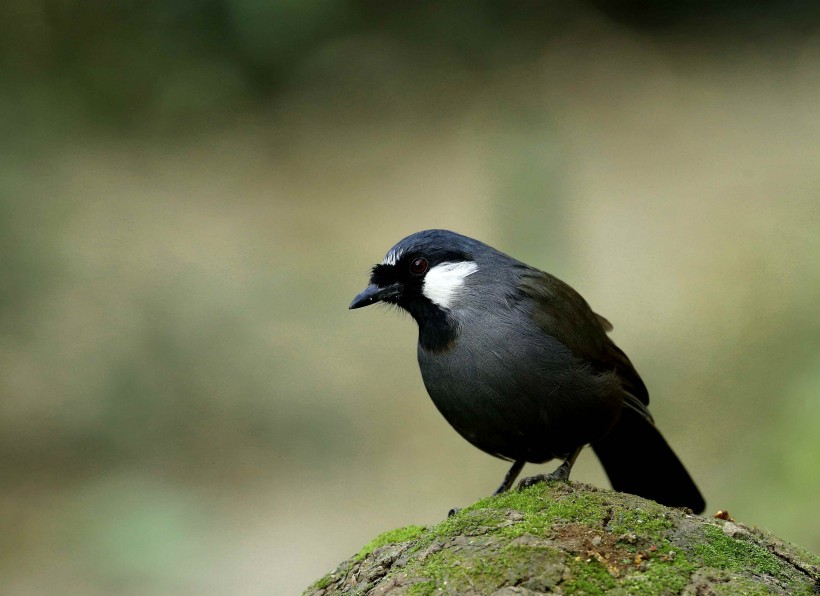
530,500
667,572
651,521
588,577
322,583
735,585
584,508
485,568
423,588
391,537
724,552
500,541
446,570
542,509
468,522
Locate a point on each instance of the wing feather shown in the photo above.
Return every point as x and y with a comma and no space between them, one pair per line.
564,314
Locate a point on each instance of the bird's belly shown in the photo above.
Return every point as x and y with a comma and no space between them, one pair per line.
516,412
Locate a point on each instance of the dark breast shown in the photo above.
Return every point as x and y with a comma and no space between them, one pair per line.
517,393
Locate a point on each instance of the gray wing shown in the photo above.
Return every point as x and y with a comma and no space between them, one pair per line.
564,314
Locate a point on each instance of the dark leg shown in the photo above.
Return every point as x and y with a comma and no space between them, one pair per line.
561,473
515,470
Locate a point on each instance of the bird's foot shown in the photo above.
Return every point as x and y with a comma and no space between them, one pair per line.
453,511
561,474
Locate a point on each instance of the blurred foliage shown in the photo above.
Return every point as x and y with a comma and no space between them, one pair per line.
175,64
191,192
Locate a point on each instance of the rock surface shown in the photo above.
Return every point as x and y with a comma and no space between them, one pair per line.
575,539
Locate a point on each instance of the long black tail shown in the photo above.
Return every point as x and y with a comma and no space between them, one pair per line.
638,460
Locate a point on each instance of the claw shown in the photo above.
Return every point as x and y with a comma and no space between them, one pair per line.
533,480
561,473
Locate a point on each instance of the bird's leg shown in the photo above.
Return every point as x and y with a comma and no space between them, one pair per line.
515,470
561,473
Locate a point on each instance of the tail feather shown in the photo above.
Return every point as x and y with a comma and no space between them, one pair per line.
638,460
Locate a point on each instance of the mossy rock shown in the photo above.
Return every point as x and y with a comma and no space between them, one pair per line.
575,539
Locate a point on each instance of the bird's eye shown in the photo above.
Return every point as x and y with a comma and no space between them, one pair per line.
418,266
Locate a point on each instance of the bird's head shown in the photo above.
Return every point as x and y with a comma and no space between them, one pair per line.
425,274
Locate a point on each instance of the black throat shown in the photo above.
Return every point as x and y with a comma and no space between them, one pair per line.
437,329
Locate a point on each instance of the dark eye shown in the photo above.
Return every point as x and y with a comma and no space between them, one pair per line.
418,266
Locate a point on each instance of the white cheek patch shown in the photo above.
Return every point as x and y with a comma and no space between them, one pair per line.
444,282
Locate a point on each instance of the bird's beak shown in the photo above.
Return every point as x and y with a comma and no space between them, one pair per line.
373,293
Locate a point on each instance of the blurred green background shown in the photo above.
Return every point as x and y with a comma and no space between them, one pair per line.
191,193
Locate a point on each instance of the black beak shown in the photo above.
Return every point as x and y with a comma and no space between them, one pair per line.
373,293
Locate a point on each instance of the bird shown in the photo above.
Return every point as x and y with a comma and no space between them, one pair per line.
520,366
